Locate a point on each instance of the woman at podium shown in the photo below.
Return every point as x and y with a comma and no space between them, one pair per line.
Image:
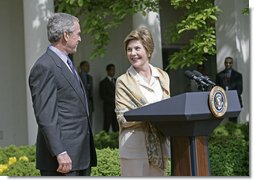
144,150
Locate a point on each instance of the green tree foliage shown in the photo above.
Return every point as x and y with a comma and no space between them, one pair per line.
99,16
245,11
199,17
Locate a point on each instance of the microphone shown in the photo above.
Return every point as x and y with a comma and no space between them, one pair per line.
191,75
204,78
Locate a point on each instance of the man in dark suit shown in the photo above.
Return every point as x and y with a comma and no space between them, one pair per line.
230,79
87,81
107,94
64,143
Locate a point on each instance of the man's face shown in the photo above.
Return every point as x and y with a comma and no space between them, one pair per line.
228,63
111,71
73,39
85,67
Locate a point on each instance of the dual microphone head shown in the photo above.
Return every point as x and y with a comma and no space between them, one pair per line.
199,78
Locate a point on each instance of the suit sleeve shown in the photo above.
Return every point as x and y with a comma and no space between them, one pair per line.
240,84
91,92
102,90
107,93
44,97
217,80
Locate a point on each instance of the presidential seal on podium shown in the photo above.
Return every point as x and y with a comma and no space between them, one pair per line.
218,103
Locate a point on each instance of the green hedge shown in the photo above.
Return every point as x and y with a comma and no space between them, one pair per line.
228,152
106,140
19,167
108,163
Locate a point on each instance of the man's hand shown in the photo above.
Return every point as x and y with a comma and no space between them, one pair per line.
65,163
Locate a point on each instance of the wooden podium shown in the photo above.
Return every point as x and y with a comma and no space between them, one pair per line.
187,119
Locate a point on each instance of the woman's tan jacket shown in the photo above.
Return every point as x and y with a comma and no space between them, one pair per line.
139,139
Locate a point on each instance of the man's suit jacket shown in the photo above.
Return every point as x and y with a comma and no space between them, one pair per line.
60,110
107,91
235,82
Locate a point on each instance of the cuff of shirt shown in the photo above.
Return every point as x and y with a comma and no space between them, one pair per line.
62,153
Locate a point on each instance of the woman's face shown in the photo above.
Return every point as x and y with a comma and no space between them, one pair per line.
136,54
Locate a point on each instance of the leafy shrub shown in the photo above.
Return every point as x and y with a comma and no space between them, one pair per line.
22,168
20,161
106,140
14,151
108,163
228,152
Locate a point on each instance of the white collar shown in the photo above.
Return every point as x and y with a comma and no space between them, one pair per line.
133,72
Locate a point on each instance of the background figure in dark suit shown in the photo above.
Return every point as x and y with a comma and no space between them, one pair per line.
230,79
87,80
64,143
107,94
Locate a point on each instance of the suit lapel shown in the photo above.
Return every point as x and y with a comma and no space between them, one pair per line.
68,76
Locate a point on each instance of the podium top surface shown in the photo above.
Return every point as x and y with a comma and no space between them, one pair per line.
184,107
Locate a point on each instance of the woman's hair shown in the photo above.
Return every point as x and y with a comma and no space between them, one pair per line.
144,36
58,24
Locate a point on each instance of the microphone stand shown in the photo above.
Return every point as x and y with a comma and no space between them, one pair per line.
202,87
